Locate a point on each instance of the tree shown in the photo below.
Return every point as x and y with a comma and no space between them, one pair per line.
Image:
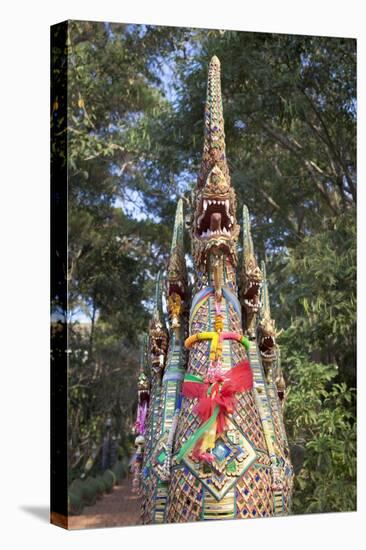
113,90
321,424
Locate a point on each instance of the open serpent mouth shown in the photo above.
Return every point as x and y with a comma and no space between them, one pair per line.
251,297
215,219
267,347
144,397
176,287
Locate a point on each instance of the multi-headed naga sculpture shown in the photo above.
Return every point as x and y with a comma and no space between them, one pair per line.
215,442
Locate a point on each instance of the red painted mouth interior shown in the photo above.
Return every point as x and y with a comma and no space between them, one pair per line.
215,219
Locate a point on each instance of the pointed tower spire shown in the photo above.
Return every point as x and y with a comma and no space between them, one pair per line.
177,240
176,270
158,336
143,353
143,388
214,153
251,278
214,228
265,305
158,305
266,331
248,247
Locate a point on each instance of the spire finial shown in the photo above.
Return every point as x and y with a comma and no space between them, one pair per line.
143,348
248,248
158,306
213,225
177,240
214,152
251,277
176,270
265,309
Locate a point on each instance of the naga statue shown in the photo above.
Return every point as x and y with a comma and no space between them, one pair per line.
215,444
143,398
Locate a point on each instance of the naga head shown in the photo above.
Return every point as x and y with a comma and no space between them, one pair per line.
214,227
176,281
251,275
281,387
266,331
143,388
142,383
158,336
158,340
252,279
267,339
279,379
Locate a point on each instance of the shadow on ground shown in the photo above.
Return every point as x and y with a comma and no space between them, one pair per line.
40,512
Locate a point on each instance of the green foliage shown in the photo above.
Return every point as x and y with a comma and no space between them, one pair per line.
109,479
101,487
125,462
315,295
120,469
75,503
76,486
316,298
320,418
113,96
89,491
85,490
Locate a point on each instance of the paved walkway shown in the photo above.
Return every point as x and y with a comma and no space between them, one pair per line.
120,507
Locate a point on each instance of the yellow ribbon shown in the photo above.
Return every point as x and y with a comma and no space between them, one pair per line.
214,347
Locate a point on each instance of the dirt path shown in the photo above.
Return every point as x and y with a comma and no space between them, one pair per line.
120,507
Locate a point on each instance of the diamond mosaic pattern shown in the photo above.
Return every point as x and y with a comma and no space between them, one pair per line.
187,424
253,493
237,352
153,420
232,469
288,486
282,503
148,500
275,414
233,456
159,454
247,417
234,320
185,497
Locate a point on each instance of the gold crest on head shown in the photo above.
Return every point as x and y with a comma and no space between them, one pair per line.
214,226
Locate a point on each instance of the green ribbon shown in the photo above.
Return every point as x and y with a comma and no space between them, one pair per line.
207,425
193,378
198,434
245,342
